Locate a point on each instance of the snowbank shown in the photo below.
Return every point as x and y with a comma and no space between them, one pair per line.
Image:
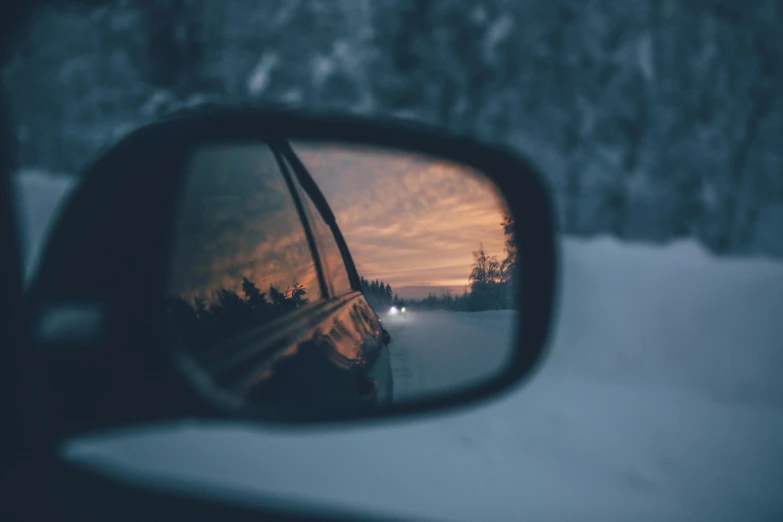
661,399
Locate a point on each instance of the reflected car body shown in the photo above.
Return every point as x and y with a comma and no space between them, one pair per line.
336,361
327,357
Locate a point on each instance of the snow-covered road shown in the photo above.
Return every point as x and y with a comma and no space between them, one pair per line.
436,352
660,399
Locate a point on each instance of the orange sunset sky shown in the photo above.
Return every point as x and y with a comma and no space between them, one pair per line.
410,221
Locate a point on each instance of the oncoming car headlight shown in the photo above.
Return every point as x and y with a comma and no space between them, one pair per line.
393,310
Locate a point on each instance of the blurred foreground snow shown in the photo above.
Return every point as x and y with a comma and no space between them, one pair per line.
661,399
39,196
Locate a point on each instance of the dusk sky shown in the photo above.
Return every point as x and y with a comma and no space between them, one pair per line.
409,220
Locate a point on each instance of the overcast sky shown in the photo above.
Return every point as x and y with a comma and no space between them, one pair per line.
408,220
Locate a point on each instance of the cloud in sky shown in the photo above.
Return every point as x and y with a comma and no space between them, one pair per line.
409,220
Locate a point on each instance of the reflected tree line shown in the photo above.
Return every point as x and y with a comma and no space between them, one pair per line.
379,294
228,313
490,287
490,283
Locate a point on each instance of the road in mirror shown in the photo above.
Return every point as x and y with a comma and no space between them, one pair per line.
312,280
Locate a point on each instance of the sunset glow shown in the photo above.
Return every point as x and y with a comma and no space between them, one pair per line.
409,220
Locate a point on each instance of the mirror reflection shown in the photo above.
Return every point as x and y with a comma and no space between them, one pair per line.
317,279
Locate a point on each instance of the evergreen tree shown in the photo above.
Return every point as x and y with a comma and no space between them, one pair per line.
485,281
298,295
509,265
255,297
279,300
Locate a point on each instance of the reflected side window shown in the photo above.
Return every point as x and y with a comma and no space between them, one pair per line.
334,264
240,256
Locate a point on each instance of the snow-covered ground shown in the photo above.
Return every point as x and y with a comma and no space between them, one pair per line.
661,399
435,352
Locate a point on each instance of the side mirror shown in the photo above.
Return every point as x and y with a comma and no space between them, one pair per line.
292,268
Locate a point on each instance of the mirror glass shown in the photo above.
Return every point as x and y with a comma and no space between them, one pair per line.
309,280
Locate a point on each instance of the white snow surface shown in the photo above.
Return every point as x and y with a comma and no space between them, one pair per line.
437,352
661,399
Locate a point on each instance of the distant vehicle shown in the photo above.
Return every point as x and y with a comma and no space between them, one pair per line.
399,308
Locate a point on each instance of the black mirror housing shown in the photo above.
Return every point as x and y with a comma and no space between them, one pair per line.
96,298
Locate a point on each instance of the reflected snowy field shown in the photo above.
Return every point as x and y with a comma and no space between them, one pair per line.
435,352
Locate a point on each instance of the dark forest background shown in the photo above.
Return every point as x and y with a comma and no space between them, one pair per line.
652,119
